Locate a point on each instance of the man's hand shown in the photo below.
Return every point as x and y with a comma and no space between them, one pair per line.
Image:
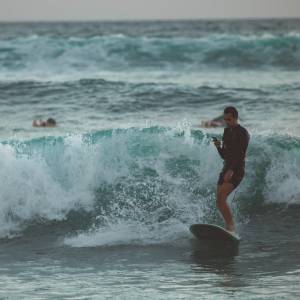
217,143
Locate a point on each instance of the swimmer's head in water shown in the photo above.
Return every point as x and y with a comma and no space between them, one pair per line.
51,122
230,116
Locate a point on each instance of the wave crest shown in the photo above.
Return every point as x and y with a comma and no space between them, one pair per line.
137,176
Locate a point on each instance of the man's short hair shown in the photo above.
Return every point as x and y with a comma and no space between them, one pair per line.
51,121
231,110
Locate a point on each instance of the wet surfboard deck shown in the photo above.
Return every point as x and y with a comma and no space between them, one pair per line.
213,232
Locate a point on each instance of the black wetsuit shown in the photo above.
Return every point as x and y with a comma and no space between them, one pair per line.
233,151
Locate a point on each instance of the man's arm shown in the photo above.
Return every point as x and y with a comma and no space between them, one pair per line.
221,151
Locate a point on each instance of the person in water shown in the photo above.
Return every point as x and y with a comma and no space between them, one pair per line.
41,123
235,141
216,122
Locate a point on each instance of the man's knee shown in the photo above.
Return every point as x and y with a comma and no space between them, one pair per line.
227,188
222,193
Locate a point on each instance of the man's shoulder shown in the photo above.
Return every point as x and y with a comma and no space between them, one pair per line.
243,130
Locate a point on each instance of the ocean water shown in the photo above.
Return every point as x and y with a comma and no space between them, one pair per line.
100,206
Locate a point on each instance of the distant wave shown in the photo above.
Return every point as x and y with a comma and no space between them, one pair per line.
141,178
52,56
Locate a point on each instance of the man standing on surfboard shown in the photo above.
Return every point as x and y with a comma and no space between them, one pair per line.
235,141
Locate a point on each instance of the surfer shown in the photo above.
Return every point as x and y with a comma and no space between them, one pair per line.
235,141
216,122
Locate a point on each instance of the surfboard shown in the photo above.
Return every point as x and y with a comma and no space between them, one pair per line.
213,232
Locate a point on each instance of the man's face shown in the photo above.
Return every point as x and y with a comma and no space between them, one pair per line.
229,120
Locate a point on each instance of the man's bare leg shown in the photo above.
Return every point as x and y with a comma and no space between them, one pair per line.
223,191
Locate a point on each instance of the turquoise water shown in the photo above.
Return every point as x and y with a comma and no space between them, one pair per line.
99,207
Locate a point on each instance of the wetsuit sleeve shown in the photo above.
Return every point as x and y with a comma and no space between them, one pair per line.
239,152
221,149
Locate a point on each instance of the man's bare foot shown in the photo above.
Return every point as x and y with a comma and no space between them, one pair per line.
230,228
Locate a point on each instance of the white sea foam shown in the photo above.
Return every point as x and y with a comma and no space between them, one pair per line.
45,179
